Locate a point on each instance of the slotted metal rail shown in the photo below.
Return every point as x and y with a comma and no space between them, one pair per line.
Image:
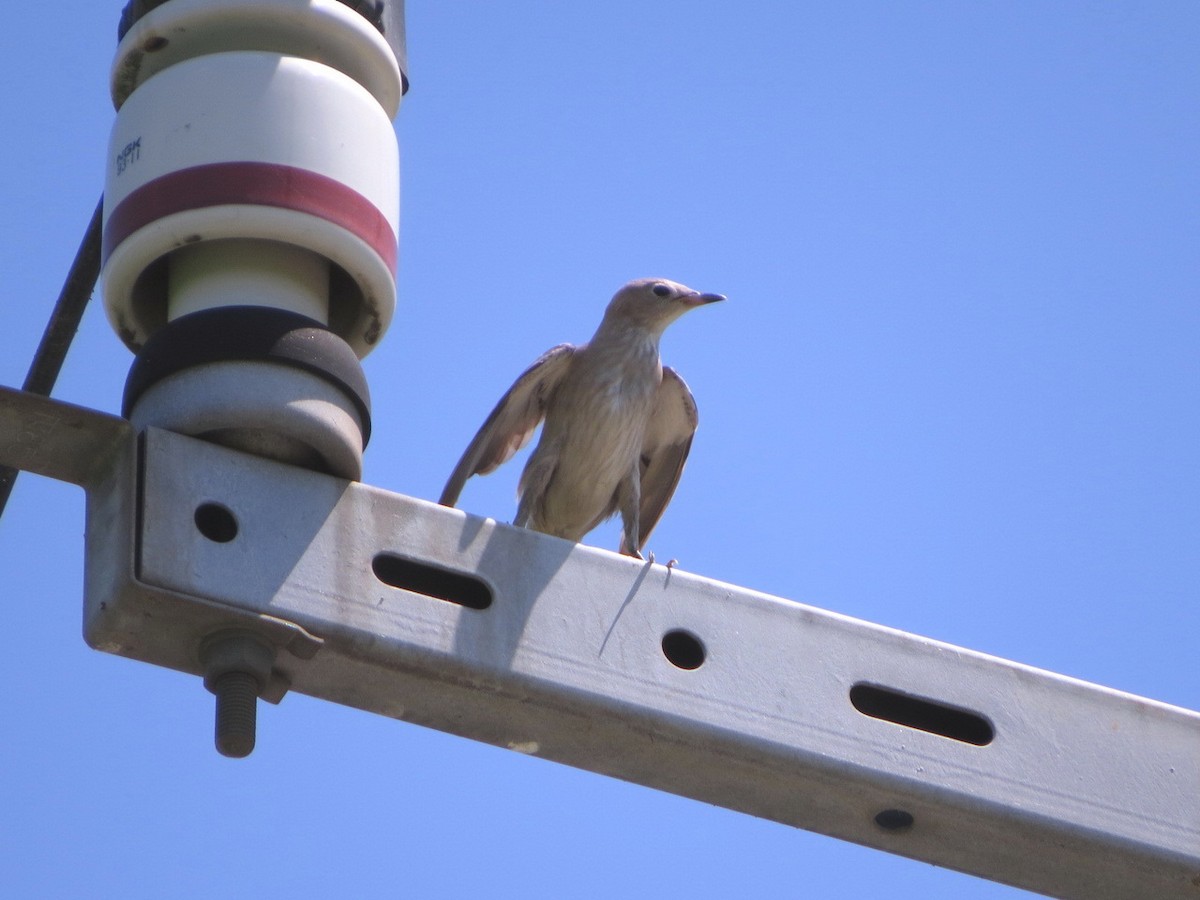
649,674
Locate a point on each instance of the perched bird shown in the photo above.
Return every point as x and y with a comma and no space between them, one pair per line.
618,423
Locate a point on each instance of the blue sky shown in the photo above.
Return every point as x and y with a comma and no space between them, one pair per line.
955,390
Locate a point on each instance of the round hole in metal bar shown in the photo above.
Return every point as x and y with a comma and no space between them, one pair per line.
683,649
894,820
216,522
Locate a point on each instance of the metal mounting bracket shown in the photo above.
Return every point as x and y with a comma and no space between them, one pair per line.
654,675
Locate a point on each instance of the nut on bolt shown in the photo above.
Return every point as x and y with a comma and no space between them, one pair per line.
237,668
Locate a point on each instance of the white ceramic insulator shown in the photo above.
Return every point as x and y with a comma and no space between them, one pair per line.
260,146
325,31
238,272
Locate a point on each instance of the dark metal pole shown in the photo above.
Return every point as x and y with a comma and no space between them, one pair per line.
60,330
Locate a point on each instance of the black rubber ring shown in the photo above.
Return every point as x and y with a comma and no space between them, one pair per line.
249,334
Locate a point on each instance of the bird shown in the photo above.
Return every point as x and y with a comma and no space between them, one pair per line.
618,424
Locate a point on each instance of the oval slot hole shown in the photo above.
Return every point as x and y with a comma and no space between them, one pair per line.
925,715
441,584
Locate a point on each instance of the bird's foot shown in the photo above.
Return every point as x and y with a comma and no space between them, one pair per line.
671,563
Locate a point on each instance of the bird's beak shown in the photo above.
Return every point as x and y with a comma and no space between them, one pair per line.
697,299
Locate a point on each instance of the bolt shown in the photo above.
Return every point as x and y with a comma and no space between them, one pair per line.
237,666
237,711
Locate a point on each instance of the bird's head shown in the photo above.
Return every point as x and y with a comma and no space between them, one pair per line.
654,303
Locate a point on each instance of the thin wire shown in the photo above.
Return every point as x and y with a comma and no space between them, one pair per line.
60,330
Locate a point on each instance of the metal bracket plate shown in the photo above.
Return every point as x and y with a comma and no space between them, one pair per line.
657,676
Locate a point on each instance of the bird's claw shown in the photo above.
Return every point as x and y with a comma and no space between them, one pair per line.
671,563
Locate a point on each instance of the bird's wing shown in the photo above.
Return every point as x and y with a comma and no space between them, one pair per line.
665,449
513,421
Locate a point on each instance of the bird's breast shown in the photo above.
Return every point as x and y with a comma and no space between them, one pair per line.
596,423
607,400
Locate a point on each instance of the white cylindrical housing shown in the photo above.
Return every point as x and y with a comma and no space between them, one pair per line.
251,209
325,31
258,146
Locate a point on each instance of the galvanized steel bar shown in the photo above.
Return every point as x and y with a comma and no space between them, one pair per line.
56,439
653,675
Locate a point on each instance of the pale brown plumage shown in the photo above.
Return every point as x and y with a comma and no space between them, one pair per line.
618,424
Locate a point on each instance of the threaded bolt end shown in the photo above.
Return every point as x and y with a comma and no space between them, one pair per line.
237,712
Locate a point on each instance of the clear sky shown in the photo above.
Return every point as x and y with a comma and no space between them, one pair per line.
955,390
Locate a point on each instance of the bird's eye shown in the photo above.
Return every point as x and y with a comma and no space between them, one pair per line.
661,290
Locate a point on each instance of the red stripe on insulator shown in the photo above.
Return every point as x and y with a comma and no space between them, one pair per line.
252,184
